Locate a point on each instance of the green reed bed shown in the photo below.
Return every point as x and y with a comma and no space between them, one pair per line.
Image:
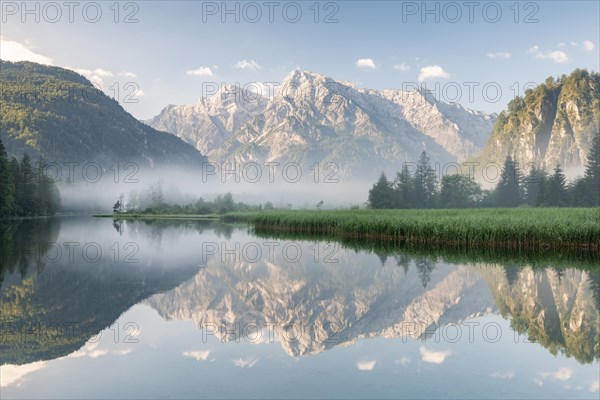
495,228
563,258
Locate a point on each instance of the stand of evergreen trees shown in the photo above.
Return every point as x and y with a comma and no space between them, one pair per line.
538,188
25,188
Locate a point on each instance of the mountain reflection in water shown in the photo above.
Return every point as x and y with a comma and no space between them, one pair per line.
308,305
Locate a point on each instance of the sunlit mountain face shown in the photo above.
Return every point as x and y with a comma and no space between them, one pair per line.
314,118
208,295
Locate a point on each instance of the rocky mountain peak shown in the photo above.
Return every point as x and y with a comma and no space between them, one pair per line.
314,118
305,86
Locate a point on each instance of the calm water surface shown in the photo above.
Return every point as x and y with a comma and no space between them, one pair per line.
96,309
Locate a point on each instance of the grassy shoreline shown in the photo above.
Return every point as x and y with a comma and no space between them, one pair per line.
535,258
510,229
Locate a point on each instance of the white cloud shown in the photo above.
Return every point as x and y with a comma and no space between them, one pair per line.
431,72
15,51
561,44
127,74
594,386
434,357
365,63
245,363
557,56
562,374
197,355
366,365
123,352
404,361
250,65
588,45
503,375
500,54
13,374
91,350
574,44
201,71
101,79
402,67
95,76
103,73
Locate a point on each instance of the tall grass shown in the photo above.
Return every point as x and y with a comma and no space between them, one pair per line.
520,228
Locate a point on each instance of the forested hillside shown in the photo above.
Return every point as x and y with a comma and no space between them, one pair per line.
59,115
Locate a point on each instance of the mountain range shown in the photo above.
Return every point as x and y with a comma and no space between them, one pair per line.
314,118
57,114
323,306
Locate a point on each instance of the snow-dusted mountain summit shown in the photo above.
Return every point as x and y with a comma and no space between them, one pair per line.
313,118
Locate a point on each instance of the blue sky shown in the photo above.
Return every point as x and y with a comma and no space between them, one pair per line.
175,48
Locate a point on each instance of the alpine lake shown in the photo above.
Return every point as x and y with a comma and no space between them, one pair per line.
98,308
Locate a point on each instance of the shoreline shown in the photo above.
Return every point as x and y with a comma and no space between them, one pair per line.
529,229
208,217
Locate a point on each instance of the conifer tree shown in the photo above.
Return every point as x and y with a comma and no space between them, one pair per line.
592,172
555,193
26,186
381,195
402,188
424,183
508,192
533,185
7,188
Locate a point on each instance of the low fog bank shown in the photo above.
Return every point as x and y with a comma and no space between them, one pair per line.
181,186
305,189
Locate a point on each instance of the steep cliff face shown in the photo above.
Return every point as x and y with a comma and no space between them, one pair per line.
553,123
556,309
209,123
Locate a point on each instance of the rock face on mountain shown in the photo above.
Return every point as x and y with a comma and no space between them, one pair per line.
462,132
553,123
210,122
312,308
313,118
558,309
59,115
